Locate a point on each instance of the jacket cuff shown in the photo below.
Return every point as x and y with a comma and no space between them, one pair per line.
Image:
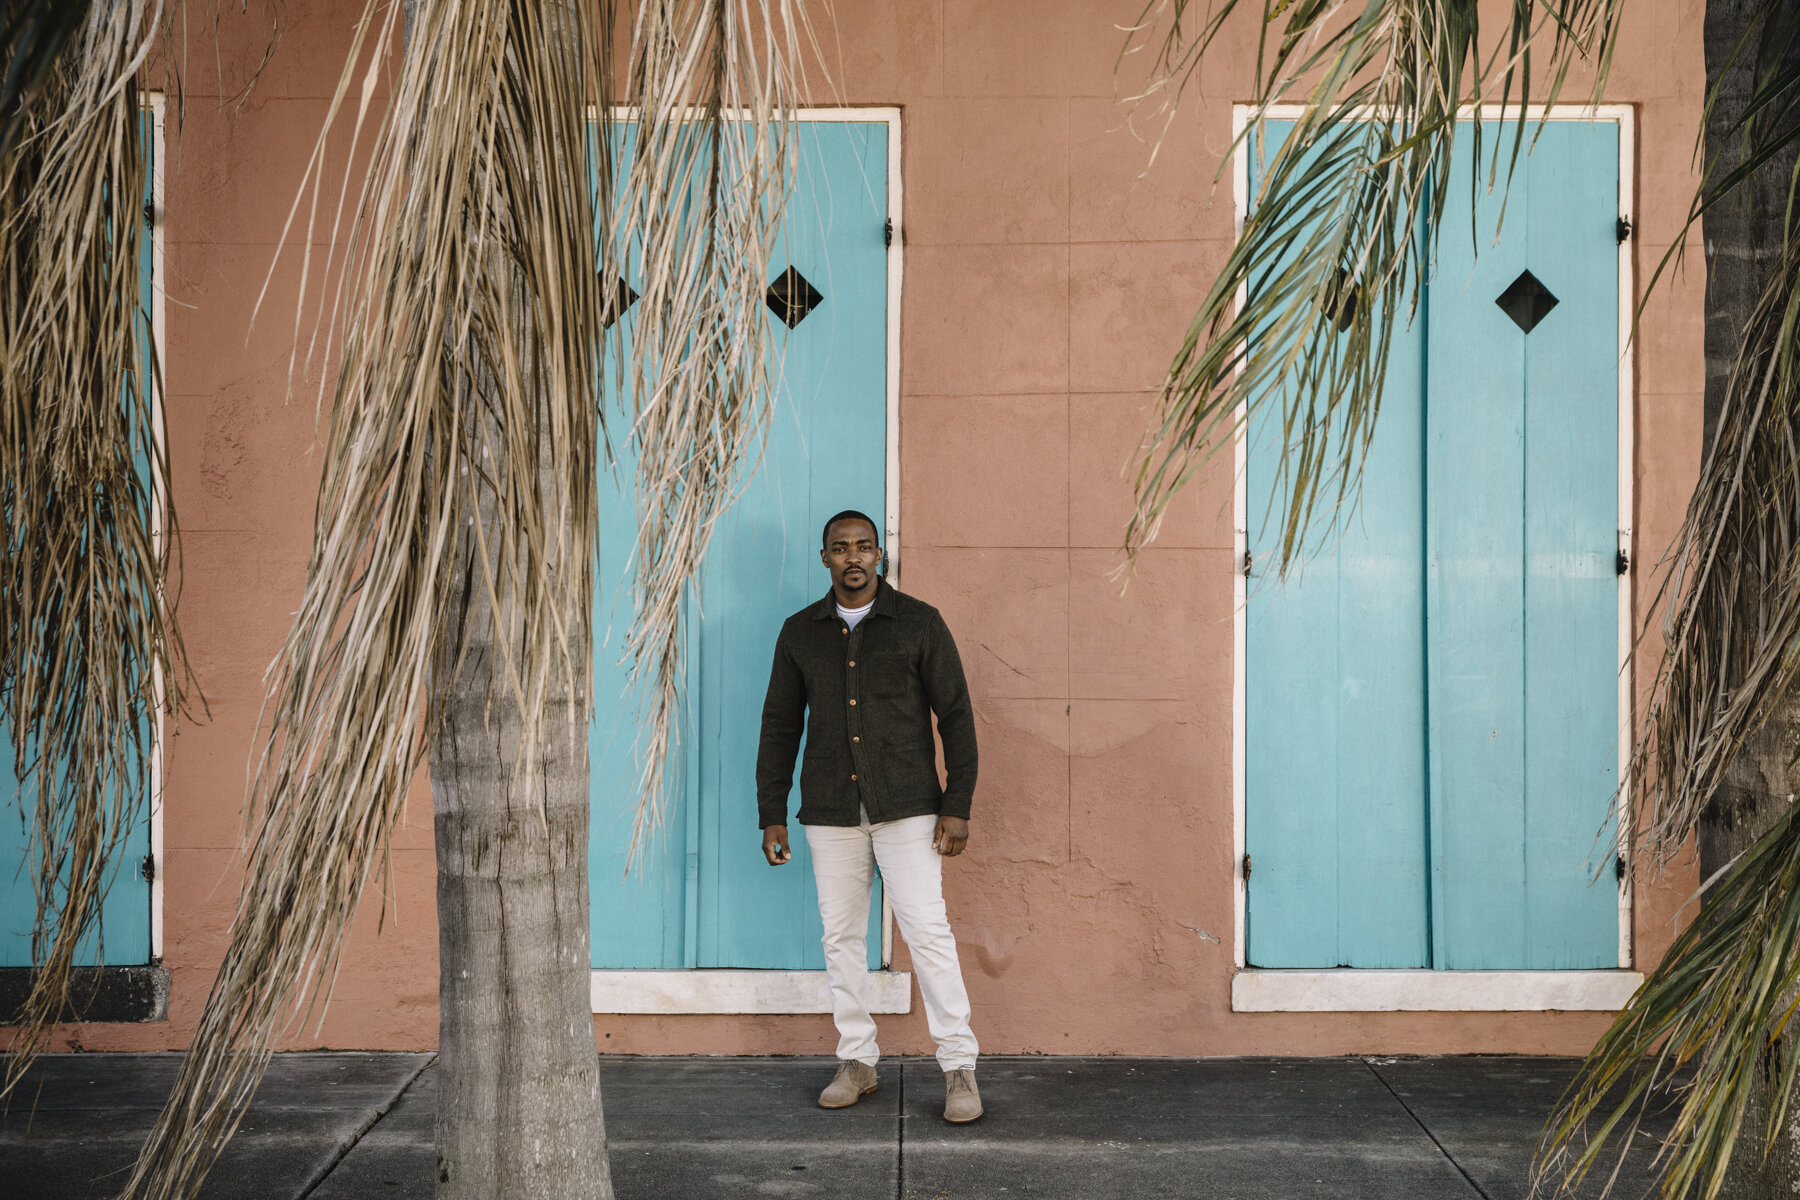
955,806
766,817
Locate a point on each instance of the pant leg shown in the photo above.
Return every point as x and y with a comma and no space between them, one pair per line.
913,874
843,865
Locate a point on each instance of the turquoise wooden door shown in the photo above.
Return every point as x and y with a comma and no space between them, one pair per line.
704,896
122,937
1431,715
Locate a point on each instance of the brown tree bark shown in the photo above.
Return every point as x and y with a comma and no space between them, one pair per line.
1744,236
519,1112
519,1092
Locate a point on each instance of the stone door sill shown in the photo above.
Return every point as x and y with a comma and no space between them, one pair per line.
1359,990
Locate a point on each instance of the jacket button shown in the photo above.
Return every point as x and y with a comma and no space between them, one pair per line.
853,704
853,662
853,779
856,739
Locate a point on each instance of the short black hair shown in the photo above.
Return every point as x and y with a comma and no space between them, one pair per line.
849,514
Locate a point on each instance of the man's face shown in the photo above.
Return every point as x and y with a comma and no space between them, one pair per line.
852,554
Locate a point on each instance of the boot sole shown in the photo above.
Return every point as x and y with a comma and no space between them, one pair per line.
848,1103
964,1120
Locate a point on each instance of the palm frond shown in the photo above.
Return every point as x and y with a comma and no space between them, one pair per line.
1700,1033
713,88
89,653
1353,198
463,431
1705,1029
32,36
1732,626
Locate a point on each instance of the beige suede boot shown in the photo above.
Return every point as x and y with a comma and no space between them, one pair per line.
853,1081
962,1099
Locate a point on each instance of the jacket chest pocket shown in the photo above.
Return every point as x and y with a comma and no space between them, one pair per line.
888,675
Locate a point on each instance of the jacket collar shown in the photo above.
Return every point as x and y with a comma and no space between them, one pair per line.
826,609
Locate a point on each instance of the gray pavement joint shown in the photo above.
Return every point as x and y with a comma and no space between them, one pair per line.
900,1140
356,1135
1448,1157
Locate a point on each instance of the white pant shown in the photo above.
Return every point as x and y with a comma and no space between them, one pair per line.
913,874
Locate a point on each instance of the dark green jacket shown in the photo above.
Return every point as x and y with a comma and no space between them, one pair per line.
870,693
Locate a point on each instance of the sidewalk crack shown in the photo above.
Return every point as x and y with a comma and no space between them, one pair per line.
1448,1157
357,1135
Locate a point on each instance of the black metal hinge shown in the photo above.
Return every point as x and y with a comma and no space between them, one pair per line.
1246,571
1619,867
1622,230
150,214
1623,563
147,868
887,237
1246,868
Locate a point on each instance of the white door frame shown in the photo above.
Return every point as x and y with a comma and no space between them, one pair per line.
1423,989
158,513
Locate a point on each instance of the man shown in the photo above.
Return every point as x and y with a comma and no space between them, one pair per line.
862,671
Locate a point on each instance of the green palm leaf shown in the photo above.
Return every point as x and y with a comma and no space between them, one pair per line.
1700,1031
1354,197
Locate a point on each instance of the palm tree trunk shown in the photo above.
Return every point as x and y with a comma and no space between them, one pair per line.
519,1090
1744,238
519,1111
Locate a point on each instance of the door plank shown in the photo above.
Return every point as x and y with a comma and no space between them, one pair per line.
1475,472
1571,543
827,452
1334,764
121,937
637,908
1522,473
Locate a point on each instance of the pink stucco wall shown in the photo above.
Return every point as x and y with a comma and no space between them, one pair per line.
1050,271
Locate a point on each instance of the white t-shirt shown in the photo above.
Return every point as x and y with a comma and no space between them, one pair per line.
853,615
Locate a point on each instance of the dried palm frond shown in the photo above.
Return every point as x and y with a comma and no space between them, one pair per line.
1703,1030
463,429
713,89
1354,196
1732,627
32,36
89,653
1719,1002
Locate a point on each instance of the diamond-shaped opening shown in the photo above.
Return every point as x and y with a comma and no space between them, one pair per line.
791,297
623,298
1526,301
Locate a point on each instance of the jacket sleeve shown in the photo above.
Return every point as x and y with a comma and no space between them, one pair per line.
948,693
783,721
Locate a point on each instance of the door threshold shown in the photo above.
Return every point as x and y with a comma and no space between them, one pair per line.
705,990
1355,989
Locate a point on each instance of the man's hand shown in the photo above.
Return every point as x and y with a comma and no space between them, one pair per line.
951,836
775,845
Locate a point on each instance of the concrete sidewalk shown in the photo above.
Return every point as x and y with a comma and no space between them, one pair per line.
337,1126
